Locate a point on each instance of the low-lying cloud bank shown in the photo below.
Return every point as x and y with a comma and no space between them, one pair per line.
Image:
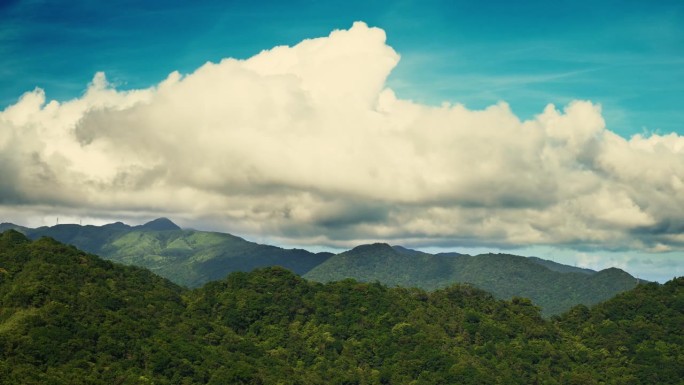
307,144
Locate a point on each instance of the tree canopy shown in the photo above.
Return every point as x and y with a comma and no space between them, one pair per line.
68,317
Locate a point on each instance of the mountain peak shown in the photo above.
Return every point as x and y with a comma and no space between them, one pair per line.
117,225
12,237
159,224
615,273
372,248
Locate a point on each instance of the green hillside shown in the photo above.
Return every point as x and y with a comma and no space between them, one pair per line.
67,317
503,275
70,317
380,262
191,258
639,334
186,257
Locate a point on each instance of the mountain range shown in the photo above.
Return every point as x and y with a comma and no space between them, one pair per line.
186,257
552,286
69,317
192,258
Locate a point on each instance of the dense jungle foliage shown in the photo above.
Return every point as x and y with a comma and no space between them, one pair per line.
68,317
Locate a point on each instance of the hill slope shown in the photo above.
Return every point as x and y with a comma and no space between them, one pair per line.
70,317
639,333
503,275
187,257
192,258
388,265
67,317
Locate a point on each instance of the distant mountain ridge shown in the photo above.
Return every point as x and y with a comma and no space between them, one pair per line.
552,286
192,258
187,257
559,267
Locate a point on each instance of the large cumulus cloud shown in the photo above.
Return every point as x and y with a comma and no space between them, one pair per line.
307,143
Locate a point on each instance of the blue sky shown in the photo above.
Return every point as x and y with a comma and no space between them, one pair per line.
307,146
627,56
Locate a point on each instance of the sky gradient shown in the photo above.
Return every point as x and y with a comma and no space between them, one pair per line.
552,129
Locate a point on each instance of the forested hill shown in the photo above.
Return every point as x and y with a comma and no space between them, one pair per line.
187,257
554,287
67,317
642,329
191,258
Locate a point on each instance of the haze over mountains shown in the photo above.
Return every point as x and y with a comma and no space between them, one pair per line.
192,258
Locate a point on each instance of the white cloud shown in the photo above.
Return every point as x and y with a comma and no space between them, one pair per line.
307,143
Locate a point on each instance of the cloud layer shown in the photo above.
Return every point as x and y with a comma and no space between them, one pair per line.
307,144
